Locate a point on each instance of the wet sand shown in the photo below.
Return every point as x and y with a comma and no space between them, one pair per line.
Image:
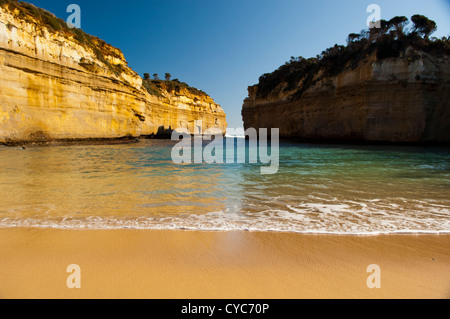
188,264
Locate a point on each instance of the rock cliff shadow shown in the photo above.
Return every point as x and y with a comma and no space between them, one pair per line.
162,133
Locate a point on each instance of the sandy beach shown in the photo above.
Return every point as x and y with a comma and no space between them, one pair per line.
188,264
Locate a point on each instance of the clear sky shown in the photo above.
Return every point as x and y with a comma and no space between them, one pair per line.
224,46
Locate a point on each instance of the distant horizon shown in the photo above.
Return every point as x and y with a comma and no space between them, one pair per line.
221,47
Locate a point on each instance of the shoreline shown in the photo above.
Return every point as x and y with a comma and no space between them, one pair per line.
70,142
211,230
179,264
86,141
295,140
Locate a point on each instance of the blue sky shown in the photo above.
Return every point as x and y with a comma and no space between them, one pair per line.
224,46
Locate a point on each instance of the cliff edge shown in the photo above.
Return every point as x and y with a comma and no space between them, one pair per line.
59,83
386,86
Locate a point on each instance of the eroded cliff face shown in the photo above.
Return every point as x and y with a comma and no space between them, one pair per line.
180,108
396,100
54,88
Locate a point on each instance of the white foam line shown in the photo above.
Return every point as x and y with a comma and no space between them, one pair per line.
303,218
226,229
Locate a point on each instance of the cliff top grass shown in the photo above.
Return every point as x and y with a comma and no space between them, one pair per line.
155,87
31,13
53,24
390,40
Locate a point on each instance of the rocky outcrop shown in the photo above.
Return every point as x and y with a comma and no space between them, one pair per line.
61,85
175,106
395,100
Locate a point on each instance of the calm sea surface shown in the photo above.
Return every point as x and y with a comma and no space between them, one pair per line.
318,189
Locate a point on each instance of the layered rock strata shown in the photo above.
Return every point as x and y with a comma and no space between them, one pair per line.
55,87
395,100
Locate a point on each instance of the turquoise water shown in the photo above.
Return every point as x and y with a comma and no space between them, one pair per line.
318,189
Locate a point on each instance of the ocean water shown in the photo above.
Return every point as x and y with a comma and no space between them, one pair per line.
333,189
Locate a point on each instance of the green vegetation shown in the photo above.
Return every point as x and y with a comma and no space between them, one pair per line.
151,87
30,13
423,25
155,87
27,10
390,41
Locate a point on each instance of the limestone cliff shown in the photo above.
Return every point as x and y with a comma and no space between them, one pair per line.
404,99
62,84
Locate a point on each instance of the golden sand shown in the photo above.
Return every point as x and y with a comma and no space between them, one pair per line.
185,264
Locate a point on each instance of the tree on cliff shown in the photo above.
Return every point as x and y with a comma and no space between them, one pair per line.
146,76
399,24
352,37
391,40
168,76
423,25
377,33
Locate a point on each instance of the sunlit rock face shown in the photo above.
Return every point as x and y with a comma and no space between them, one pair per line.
52,87
396,100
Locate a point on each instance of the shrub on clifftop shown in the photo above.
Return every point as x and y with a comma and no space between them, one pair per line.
389,41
